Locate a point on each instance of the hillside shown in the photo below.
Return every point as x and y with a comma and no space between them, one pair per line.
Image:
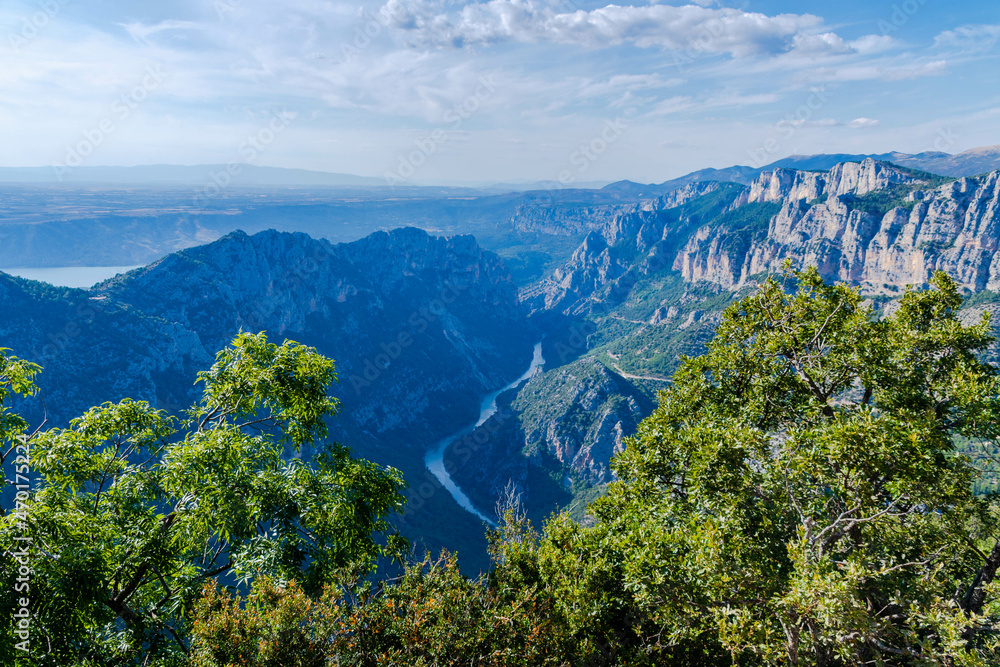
422,327
650,286
419,327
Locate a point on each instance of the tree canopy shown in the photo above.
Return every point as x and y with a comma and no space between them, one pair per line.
132,510
796,498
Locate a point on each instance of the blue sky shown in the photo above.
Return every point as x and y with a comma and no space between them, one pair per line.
447,91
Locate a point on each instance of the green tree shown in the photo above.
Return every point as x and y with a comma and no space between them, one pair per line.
16,378
430,615
133,511
795,499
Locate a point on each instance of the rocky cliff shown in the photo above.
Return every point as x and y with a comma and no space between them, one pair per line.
651,284
871,225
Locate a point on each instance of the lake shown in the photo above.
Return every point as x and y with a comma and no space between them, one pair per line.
71,276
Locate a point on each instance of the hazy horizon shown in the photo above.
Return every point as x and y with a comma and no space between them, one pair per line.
427,91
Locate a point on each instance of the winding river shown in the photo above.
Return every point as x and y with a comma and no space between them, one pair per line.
434,459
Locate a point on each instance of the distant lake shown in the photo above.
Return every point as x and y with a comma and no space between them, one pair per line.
71,276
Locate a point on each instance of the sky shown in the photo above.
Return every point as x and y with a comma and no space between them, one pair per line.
453,91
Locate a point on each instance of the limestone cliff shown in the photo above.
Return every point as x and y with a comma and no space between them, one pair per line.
869,225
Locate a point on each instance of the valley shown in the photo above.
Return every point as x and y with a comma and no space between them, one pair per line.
430,303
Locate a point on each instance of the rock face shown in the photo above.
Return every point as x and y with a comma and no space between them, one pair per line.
578,414
868,223
542,216
871,224
632,246
863,227
850,178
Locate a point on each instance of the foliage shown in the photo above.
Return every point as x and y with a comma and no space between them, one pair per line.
744,224
278,626
880,202
133,512
794,498
16,378
431,615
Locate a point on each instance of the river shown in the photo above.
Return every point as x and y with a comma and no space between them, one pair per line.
434,458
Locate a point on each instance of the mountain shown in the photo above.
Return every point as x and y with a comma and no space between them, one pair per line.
650,286
973,162
420,328
43,226
869,223
618,288
738,174
554,438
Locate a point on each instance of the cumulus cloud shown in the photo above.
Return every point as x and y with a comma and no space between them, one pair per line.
684,28
862,123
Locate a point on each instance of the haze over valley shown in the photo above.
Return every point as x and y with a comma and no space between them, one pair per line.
511,333
423,320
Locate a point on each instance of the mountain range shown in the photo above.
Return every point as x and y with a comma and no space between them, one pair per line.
419,326
423,325
972,162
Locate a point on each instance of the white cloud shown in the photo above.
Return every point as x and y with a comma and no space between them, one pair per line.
693,28
863,123
935,68
871,44
681,103
142,32
969,38
877,72
823,44
623,83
